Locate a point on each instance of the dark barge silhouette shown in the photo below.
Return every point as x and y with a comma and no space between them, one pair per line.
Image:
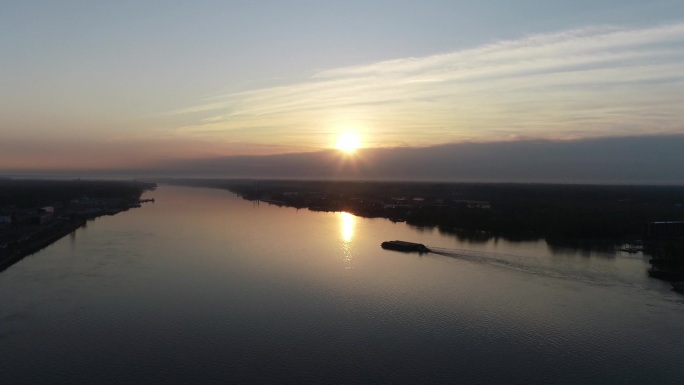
407,247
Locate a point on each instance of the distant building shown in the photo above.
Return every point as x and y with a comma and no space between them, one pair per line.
475,204
43,215
664,230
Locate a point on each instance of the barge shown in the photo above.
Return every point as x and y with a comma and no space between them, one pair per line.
404,246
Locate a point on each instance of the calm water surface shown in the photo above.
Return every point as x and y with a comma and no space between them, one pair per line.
203,287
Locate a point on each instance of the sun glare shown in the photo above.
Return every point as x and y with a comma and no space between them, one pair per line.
348,142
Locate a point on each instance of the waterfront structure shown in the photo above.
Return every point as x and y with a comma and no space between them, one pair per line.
665,230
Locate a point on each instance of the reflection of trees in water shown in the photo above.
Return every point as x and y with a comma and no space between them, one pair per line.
470,236
586,248
481,236
421,228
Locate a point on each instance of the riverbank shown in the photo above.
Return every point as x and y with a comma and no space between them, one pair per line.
36,213
32,243
26,242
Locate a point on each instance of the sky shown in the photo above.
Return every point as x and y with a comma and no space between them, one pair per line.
95,85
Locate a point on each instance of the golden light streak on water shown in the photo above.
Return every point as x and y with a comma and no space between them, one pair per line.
347,225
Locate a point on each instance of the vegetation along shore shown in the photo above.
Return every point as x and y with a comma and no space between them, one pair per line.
36,213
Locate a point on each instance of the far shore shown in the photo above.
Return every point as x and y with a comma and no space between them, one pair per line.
643,220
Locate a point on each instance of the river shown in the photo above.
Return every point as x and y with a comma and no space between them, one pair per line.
204,287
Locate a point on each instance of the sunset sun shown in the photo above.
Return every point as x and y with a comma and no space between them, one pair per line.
348,143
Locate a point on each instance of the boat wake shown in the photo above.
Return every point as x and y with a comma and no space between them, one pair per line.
539,266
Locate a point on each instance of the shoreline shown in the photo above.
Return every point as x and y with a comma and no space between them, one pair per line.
22,249
36,213
35,242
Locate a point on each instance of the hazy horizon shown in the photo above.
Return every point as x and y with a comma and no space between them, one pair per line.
640,160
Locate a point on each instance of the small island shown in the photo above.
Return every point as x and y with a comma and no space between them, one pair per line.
36,213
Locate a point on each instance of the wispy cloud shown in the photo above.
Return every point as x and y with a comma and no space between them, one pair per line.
598,81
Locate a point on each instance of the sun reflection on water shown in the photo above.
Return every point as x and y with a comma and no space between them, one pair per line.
347,227
347,224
